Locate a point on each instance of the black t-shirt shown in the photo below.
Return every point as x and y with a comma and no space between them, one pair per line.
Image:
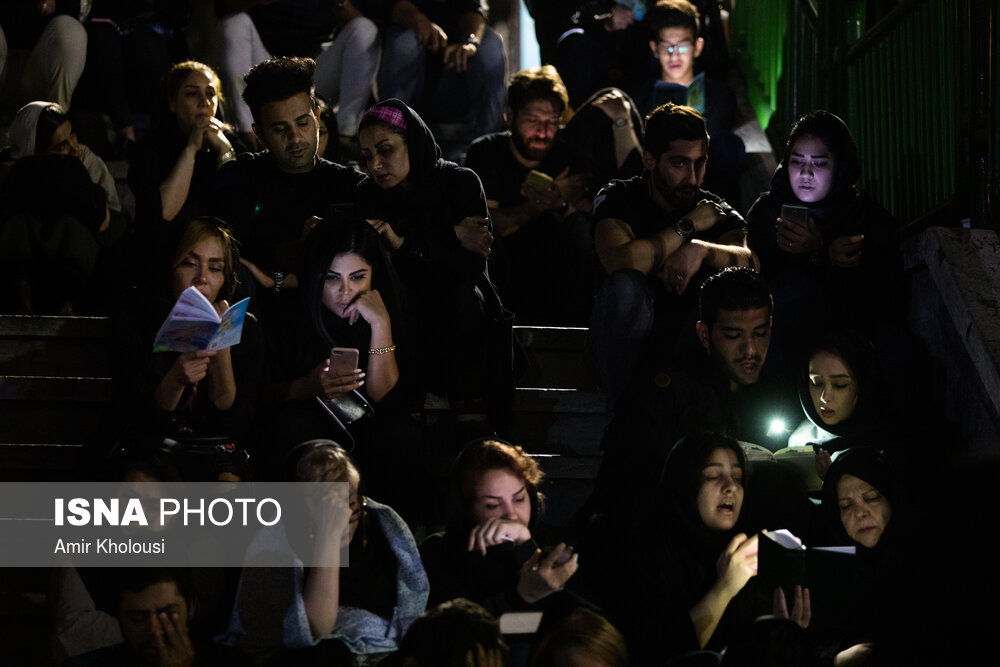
492,158
267,207
630,202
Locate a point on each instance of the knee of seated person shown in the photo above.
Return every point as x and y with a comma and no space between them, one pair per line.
400,42
491,49
626,292
362,29
233,25
67,28
626,284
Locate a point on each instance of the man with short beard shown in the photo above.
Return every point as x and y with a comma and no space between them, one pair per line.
543,257
658,236
722,387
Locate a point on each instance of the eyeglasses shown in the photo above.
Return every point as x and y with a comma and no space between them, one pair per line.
668,49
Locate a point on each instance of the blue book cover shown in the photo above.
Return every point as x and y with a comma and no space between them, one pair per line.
193,324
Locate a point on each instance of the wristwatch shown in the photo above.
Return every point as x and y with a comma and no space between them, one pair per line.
684,228
623,122
279,277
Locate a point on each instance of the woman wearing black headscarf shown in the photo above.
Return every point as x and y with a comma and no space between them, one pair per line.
842,395
864,506
432,215
685,551
840,266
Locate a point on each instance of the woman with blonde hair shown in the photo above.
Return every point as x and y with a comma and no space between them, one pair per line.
189,393
173,171
297,613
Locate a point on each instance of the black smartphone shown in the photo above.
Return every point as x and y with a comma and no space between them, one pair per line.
797,214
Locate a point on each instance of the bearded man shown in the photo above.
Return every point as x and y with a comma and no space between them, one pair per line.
658,236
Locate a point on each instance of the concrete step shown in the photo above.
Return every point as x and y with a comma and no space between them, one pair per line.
555,356
55,346
567,421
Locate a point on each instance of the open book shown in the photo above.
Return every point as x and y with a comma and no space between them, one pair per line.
193,324
828,573
692,95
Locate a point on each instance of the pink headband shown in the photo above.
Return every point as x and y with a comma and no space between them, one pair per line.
390,115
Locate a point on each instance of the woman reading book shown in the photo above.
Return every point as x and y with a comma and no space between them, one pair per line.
687,548
198,393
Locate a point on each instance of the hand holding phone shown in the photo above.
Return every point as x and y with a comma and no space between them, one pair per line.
798,215
343,360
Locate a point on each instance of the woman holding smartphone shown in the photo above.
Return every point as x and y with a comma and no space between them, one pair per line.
488,553
828,249
349,303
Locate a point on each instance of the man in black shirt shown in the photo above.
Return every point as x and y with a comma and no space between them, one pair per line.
272,199
658,236
539,181
723,387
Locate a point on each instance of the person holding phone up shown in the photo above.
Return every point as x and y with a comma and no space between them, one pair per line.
828,250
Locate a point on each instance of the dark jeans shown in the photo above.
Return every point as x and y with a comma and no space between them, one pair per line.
619,329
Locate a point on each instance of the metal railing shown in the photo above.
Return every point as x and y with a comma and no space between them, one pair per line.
925,132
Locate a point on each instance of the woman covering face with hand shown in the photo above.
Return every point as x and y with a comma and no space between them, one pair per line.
366,606
488,553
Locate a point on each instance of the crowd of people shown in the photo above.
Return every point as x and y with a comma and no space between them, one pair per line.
745,356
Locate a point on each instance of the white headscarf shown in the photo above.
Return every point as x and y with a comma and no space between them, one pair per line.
25,126
22,138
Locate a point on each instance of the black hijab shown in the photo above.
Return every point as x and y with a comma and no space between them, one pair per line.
859,355
424,183
874,467
836,136
680,523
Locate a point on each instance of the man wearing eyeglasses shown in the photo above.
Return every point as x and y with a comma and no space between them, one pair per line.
676,43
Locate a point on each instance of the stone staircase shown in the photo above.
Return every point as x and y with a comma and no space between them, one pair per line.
55,393
55,401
